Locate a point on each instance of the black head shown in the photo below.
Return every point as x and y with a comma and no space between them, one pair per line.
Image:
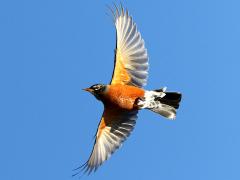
96,88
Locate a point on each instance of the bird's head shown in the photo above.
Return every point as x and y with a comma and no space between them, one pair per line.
97,90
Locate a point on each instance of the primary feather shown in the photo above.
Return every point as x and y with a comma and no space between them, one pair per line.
131,58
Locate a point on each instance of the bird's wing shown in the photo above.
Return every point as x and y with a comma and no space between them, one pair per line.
114,127
131,59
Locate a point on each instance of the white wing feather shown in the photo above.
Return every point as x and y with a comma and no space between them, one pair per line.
130,46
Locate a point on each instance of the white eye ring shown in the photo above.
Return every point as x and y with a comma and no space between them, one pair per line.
97,88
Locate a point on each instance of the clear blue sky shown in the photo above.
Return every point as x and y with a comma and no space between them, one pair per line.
51,49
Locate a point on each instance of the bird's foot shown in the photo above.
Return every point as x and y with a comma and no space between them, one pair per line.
140,102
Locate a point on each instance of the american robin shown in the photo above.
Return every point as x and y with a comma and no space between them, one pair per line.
124,96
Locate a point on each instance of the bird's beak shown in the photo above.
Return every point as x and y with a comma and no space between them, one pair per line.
88,89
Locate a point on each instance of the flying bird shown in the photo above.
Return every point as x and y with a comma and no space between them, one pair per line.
124,96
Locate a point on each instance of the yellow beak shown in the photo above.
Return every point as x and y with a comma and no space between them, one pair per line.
88,90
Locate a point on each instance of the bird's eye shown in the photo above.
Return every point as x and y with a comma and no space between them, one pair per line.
96,88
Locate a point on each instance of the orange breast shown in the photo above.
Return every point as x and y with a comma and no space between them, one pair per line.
122,96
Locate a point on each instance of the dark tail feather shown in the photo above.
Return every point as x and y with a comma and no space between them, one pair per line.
171,98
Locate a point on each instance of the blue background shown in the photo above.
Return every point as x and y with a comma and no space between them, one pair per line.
50,50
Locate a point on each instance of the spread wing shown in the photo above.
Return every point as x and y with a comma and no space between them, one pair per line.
114,127
131,59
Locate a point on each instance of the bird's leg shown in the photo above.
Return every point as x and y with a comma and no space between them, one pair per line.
139,102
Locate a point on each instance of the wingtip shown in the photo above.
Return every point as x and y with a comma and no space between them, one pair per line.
81,169
117,10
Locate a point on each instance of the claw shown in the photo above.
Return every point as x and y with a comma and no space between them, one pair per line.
141,98
139,102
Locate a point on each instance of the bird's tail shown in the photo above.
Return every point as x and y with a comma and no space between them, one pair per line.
161,102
